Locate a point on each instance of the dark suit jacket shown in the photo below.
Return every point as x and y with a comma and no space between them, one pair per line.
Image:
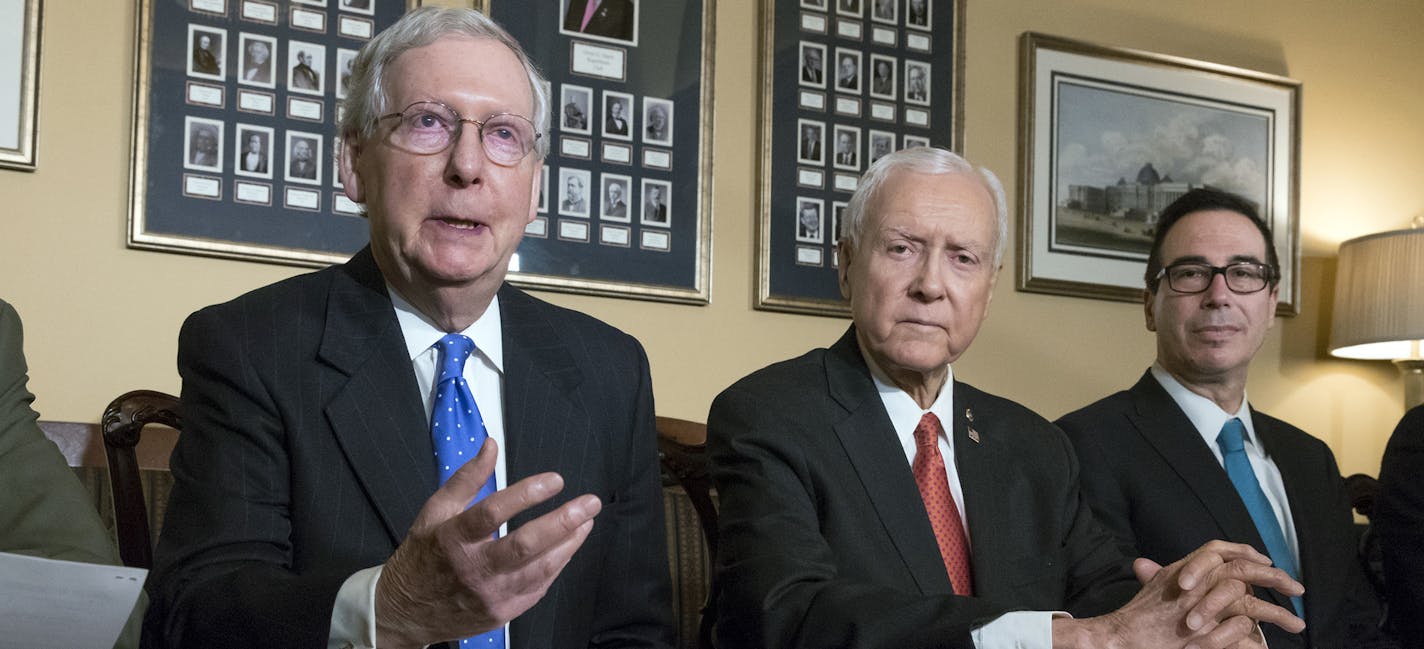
613,18
1399,521
305,457
824,538
1154,482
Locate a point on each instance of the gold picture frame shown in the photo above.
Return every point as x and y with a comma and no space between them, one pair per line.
19,102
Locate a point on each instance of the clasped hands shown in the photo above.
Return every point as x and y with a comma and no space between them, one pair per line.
450,579
1203,601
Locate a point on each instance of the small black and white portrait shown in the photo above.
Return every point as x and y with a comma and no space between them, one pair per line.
303,158
305,64
657,121
576,100
912,141
810,220
203,144
848,7
882,77
837,208
615,191
314,3
254,151
345,59
810,146
882,143
814,4
847,70
617,115
573,192
885,11
813,57
917,83
209,57
847,139
656,196
917,13
336,153
605,20
367,7
544,189
258,65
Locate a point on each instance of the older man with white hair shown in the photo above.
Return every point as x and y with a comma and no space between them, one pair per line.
404,450
870,499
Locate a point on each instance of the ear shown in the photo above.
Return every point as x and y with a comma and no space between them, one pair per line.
843,267
1147,307
346,166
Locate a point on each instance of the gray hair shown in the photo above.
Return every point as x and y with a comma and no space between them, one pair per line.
924,160
367,101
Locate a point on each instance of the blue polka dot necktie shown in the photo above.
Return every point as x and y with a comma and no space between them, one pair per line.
458,431
1231,439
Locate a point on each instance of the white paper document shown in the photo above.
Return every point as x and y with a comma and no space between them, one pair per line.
50,603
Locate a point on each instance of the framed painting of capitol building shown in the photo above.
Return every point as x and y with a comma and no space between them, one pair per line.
1109,136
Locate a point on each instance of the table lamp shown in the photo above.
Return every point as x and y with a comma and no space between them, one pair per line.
1379,304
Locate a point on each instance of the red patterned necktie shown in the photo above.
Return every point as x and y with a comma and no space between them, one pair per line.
930,477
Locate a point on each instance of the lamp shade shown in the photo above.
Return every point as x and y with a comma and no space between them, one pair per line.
1379,297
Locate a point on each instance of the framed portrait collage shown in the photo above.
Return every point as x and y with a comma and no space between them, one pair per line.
625,206
863,78
236,137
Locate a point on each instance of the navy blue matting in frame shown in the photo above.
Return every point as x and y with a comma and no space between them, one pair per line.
843,83
626,203
235,121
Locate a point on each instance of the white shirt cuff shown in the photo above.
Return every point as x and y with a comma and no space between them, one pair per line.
353,618
1017,630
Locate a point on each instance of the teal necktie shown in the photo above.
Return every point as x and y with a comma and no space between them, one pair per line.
1238,468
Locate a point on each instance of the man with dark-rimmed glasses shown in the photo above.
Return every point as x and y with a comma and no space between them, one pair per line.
1181,457
404,450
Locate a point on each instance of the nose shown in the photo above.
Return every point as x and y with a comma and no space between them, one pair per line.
467,157
1217,292
929,283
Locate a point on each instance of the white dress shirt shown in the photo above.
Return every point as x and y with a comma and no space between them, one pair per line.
1015,630
1208,418
353,619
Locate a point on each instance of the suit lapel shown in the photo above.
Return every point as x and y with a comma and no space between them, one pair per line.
377,415
545,430
981,465
870,443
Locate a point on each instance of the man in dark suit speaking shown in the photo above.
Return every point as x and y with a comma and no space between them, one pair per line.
868,499
404,450
1182,457
609,18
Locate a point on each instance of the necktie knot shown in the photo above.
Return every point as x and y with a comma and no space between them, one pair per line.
454,350
927,432
1232,438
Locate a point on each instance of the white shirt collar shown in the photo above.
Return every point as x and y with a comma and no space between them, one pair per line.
421,333
1205,415
904,412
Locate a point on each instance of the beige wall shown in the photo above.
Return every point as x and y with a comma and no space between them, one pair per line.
102,319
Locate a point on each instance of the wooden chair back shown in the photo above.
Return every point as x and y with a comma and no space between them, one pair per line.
122,425
682,452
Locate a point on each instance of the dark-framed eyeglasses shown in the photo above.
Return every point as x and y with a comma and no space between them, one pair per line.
1194,277
427,127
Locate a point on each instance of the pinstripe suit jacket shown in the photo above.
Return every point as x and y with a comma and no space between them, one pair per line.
306,456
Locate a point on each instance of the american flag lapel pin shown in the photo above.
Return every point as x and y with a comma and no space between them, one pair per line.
969,416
